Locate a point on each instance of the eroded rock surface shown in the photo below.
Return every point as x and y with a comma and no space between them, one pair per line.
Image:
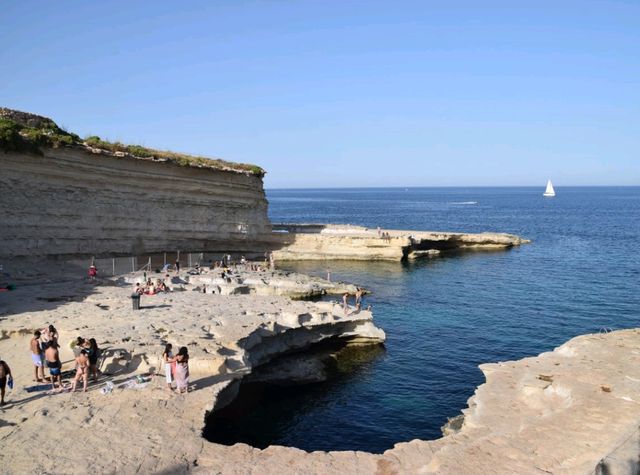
560,412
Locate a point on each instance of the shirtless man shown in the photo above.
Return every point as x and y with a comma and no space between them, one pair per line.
359,293
36,356
82,370
53,363
5,374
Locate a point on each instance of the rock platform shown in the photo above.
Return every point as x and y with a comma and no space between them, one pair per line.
562,412
296,242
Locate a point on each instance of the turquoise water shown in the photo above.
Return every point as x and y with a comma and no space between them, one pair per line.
444,317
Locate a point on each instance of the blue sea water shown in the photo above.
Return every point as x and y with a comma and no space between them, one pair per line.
443,317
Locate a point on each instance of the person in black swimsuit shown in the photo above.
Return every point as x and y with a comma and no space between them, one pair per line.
94,352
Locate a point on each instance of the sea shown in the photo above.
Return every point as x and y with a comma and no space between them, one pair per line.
443,317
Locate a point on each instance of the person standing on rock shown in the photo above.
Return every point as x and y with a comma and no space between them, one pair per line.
177,267
169,363
5,376
82,370
93,273
345,302
182,370
37,357
53,363
359,293
93,353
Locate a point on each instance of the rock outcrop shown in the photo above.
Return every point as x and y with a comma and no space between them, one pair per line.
140,427
344,242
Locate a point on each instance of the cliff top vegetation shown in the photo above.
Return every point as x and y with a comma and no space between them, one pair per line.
30,133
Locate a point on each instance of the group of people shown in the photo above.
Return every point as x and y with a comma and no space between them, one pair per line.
151,288
384,235
45,352
358,303
87,353
176,368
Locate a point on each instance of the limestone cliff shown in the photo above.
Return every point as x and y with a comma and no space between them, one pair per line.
73,199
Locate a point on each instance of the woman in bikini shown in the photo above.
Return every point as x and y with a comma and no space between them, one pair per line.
82,368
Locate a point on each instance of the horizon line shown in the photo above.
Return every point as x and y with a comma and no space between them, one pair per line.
444,186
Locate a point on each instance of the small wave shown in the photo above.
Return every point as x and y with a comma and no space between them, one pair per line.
464,203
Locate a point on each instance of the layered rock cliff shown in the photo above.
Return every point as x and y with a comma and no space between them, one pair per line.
73,199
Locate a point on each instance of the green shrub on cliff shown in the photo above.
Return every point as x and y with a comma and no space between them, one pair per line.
12,141
15,137
28,133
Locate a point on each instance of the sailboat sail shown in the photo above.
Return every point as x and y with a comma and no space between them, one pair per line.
549,191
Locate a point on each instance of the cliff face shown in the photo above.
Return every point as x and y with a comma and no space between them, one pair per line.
72,202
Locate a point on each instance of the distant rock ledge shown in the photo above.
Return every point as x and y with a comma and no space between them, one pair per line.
293,242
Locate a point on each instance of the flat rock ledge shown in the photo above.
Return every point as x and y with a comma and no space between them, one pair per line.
297,242
561,412
144,428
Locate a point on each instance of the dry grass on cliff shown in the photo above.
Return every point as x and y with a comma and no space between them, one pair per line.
29,133
172,157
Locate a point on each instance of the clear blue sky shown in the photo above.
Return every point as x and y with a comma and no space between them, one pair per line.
324,93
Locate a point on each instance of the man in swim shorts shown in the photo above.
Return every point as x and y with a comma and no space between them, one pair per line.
37,357
53,363
5,373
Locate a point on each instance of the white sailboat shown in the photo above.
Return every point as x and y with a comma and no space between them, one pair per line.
549,191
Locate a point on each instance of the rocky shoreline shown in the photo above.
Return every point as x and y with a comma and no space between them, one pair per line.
538,414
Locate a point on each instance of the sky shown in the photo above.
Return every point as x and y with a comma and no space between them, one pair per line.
344,93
